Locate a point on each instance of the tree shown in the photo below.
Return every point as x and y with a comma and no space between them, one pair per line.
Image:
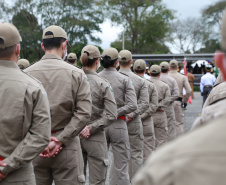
189,35
212,14
210,46
78,18
145,22
27,24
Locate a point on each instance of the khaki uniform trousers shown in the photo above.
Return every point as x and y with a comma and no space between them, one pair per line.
117,138
171,122
179,115
136,140
65,169
161,129
95,152
22,176
149,137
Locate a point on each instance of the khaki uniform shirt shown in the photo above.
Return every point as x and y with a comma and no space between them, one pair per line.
219,79
182,82
104,108
214,106
171,82
164,97
24,117
125,96
153,100
141,92
197,158
69,95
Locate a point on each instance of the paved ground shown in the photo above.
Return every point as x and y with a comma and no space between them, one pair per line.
193,111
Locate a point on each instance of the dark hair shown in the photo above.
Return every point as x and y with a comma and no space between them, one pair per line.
53,43
124,64
71,61
107,62
7,52
173,67
155,74
164,70
139,71
86,61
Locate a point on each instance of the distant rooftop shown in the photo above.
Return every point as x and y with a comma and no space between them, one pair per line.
178,57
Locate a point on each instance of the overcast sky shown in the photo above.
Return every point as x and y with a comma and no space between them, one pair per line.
183,8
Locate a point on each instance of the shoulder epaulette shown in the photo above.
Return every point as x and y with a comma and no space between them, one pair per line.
124,74
148,80
103,79
32,77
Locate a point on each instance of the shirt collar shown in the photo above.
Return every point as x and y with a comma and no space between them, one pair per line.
90,72
51,56
110,69
8,63
173,71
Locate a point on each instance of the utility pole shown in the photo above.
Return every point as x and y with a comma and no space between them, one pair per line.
123,40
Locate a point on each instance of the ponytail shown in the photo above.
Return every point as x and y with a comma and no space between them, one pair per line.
86,61
107,62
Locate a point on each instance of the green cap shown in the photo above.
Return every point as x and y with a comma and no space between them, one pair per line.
54,32
139,65
9,35
92,51
111,52
155,69
173,63
23,62
125,56
164,65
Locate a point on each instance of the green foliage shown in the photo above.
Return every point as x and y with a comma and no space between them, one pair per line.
27,24
213,13
146,24
78,18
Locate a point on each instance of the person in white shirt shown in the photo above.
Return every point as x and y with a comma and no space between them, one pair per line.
206,84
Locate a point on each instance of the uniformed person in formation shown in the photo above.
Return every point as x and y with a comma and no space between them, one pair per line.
24,117
117,133
164,100
72,59
23,63
134,124
181,103
174,91
206,83
104,112
70,105
147,121
191,162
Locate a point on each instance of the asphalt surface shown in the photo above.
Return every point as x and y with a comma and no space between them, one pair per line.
193,111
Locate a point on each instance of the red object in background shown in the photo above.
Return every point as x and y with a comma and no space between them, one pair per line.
220,62
186,74
1,158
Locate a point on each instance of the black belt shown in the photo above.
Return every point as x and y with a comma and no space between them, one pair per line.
179,99
208,86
